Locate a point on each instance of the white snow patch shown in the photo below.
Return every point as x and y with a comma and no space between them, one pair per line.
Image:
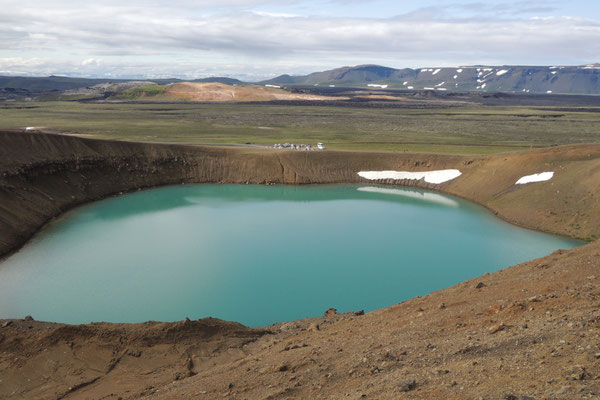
405,83
331,85
436,177
484,85
428,88
549,91
273,86
377,86
411,87
436,71
488,69
425,196
541,177
442,88
430,70
501,72
554,72
440,84
455,76
424,70
553,67
30,128
459,70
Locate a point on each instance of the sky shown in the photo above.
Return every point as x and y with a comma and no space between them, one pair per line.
258,39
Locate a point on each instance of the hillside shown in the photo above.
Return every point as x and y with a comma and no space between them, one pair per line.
220,92
524,79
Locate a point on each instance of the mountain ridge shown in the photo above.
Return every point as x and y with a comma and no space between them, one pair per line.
584,79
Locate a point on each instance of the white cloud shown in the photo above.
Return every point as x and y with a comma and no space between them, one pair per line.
193,38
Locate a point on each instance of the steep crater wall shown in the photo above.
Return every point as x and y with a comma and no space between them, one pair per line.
42,175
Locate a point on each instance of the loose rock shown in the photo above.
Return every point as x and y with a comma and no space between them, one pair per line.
330,311
497,328
408,385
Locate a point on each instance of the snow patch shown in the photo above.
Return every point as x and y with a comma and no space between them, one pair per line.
405,83
459,70
549,91
377,86
554,72
425,196
410,87
273,86
436,177
501,72
440,84
442,88
455,76
428,88
436,71
484,85
541,177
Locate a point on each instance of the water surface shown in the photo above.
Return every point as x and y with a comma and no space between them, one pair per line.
256,254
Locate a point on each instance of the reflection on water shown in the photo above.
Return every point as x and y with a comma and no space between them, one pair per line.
412,194
256,254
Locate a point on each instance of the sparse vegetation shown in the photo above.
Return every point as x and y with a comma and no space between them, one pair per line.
141,92
460,130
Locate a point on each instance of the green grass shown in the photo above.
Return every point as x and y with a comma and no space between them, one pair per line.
459,130
141,92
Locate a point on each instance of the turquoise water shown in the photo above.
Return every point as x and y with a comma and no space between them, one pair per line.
256,254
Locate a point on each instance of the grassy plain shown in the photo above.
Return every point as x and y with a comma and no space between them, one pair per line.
471,129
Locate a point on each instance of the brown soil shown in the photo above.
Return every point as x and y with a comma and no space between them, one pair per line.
531,330
217,92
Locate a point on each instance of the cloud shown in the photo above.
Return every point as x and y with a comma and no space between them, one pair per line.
193,40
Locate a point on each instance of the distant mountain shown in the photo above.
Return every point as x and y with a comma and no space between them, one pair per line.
61,83
507,78
50,83
219,79
527,79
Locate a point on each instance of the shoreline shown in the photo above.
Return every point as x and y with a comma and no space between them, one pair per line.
186,176
53,219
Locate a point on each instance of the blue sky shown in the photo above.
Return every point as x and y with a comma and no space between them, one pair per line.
256,39
449,8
